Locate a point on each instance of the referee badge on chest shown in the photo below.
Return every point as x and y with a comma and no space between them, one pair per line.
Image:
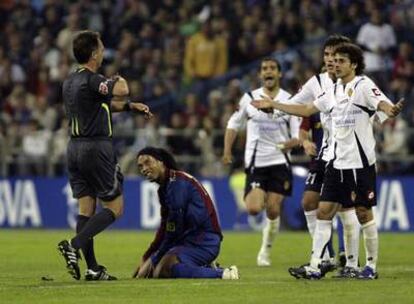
350,92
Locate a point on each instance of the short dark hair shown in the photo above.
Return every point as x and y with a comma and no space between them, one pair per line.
335,40
84,44
355,55
279,67
161,154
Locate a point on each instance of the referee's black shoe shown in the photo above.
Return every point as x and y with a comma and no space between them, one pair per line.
71,256
101,274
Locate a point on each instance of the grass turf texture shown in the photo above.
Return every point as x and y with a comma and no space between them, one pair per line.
28,255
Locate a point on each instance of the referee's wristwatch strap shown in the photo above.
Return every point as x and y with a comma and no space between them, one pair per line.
127,106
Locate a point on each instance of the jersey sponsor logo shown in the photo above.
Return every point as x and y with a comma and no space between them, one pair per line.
103,88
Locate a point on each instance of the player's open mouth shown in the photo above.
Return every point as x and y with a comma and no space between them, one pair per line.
269,78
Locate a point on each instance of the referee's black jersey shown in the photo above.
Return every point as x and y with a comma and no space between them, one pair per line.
87,97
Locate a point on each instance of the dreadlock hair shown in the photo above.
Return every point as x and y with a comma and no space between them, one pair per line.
160,154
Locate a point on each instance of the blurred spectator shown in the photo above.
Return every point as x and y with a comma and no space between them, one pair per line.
145,134
35,150
205,54
377,40
59,142
404,62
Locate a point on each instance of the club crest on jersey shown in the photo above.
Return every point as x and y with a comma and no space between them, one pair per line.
103,88
371,195
286,185
350,92
353,196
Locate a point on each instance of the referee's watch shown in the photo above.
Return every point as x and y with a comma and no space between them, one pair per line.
127,106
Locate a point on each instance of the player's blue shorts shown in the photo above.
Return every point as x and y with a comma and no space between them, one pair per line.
198,251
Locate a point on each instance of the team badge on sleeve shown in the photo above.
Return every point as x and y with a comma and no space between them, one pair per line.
376,92
103,88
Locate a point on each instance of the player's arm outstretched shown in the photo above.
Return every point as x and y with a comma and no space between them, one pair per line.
391,110
302,110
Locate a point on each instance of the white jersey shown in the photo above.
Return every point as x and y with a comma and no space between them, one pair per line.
352,107
309,92
264,130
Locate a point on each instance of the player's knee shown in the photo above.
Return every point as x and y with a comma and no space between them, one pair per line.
272,214
253,209
309,205
324,214
364,215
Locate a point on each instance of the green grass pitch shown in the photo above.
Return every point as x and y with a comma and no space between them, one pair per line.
28,255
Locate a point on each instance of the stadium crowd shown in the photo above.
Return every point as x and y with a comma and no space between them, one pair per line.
190,61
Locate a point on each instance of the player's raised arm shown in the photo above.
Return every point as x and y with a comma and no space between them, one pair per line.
304,110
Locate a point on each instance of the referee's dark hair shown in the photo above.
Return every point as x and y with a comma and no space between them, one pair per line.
84,44
355,55
334,40
161,154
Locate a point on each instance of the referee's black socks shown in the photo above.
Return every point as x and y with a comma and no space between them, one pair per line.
92,227
88,250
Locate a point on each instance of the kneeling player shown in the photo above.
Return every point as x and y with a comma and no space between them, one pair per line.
189,237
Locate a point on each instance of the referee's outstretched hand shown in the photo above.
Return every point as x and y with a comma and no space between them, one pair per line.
141,108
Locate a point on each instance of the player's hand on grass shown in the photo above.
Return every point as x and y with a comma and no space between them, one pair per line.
145,270
141,108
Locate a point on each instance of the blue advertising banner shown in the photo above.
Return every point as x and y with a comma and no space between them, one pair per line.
48,203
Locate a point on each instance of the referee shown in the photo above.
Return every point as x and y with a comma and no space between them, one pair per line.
89,100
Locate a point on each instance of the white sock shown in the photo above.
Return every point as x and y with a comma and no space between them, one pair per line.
370,233
311,221
269,232
351,236
321,237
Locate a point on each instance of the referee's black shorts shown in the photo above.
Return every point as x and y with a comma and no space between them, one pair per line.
93,169
350,187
